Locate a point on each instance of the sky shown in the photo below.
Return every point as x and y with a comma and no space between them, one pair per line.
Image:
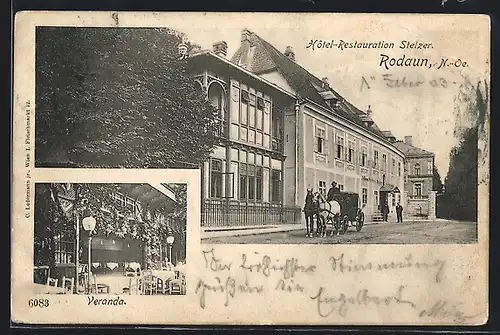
426,112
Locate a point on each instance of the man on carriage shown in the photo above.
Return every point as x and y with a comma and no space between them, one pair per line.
332,195
332,192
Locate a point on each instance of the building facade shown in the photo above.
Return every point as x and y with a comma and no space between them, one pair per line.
284,131
419,172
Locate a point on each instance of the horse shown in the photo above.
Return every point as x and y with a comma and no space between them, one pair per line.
328,212
311,208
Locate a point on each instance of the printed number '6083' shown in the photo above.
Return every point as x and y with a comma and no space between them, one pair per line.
38,303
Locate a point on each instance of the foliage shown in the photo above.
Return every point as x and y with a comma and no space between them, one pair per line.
459,200
49,221
437,184
118,97
113,218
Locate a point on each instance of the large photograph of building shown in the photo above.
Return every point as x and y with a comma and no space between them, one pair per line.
262,127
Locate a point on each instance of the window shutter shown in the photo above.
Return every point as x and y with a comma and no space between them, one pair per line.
325,146
315,144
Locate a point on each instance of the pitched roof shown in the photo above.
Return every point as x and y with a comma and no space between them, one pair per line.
264,58
410,150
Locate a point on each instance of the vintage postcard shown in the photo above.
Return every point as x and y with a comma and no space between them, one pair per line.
250,168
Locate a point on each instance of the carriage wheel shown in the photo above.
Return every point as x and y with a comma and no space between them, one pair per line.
360,221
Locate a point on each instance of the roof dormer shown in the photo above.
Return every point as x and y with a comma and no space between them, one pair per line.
367,118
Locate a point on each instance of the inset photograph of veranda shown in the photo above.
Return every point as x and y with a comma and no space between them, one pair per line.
110,238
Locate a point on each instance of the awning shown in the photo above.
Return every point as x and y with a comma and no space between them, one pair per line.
156,196
389,188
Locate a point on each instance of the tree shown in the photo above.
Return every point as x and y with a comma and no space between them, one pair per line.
118,97
437,184
460,198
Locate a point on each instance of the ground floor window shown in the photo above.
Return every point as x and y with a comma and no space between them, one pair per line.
417,189
258,183
375,197
364,196
322,187
215,178
275,185
243,181
255,179
393,200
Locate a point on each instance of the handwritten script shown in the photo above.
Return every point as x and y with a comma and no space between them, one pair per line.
335,285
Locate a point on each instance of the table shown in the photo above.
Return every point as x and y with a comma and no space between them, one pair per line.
164,275
46,289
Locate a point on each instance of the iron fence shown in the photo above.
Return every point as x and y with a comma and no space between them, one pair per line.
223,214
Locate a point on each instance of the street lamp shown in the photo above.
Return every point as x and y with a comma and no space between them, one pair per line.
88,224
170,241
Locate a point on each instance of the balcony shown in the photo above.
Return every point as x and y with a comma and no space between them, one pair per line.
277,144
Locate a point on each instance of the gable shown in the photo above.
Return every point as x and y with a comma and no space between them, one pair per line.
276,78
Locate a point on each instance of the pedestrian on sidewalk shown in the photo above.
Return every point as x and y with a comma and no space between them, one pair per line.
385,212
399,212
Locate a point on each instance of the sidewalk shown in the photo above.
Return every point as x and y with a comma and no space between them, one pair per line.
229,231
212,232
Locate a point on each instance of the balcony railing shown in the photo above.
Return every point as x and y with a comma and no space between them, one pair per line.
277,144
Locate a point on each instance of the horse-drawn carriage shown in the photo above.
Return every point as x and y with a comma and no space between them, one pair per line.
341,213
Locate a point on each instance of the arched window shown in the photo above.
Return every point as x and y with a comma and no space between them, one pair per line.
216,96
416,169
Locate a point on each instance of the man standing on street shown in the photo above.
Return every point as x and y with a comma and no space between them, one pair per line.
385,212
399,212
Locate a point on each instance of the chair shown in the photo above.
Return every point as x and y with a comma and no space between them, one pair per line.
175,286
161,286
134,286
52,281
99,288
71,282
149,283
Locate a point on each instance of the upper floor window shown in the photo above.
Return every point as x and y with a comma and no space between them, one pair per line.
350,152
429,167
216,98
340,147
364,156
416,169
375,159
320,140
399,169
384,162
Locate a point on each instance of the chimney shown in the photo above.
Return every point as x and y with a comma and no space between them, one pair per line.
245,48
369,111
289,53
245,35
325,82
220,48
408,140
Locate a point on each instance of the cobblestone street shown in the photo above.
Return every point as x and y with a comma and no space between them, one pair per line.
411,232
